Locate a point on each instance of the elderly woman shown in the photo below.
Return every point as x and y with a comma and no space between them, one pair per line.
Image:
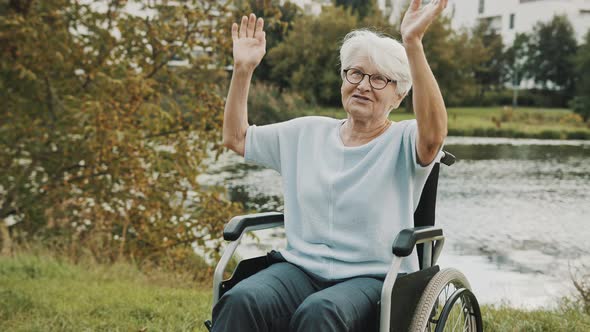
349,185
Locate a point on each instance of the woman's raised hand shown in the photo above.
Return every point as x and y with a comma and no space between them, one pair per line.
418,18
249,42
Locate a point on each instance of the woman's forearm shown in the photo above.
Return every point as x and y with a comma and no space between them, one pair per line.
235,115
428,102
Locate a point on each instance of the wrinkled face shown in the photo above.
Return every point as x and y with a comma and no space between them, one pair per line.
364,102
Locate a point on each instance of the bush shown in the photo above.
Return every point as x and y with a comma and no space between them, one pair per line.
550,134
268,104
503,97
102,140
581,106
578,135
581,282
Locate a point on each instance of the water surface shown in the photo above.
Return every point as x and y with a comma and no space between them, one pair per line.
515,213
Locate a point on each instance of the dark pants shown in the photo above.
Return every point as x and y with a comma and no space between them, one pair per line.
283,297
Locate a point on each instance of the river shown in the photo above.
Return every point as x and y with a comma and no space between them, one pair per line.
515,213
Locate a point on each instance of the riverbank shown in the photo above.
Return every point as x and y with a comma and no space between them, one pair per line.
499,122
49,294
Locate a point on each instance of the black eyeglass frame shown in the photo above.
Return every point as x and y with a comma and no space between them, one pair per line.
345,71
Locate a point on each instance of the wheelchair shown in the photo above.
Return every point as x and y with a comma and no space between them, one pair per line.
431,299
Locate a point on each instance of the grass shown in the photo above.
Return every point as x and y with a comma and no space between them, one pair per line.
46,294
568,317
499,122
39,293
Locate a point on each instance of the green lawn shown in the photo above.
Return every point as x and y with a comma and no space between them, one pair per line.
498,122
45,294
48,294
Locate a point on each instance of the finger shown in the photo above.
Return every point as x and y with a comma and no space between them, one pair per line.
243,26
259,26
440,5
234,31
251,25
261,36
415,4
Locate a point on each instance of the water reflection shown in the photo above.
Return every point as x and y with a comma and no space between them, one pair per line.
509,209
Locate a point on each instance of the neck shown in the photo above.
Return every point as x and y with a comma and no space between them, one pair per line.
358,133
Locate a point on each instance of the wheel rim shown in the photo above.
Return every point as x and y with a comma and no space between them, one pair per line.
455,309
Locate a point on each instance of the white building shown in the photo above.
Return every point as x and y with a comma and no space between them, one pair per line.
507,17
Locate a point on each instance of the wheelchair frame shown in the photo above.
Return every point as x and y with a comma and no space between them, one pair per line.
428,239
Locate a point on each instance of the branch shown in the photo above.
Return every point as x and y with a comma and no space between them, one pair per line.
166,133
103,52
187,34
50,102
7,213
82,177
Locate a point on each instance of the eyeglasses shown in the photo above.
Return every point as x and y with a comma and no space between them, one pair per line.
356,76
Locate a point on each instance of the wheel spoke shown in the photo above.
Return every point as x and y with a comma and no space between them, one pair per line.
457,320
466,314
456,315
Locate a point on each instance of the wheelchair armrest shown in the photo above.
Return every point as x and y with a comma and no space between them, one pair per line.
237,225
406,239
448,159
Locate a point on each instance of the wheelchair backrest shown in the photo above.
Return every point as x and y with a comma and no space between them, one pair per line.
424,214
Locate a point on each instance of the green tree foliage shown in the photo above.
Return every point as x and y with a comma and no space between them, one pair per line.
489,74
307,61
101,140
454,57
550,59
515,59
278,21
361,8
581,102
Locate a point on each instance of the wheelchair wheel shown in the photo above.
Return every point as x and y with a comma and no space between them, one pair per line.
447,304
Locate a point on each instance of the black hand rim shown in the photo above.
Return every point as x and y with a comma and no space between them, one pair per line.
472,304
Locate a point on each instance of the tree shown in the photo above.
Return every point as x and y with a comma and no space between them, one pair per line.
516,63
489,74
581,102
550,61
279,19
361,8
101,140
307,61
453,57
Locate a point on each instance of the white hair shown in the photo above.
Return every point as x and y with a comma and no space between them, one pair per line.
385,53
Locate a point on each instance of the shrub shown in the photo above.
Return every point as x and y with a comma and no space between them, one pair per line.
549,134
571,119
578,134
581,279
268,104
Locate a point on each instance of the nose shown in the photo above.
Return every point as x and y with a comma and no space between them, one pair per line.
364,84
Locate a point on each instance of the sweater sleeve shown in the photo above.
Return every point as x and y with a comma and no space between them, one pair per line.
263,146
269,145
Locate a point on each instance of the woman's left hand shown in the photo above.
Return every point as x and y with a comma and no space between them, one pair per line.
418,18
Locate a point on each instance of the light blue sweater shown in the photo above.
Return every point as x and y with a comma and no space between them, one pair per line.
343,205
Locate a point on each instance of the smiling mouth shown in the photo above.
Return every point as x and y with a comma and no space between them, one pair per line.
361,97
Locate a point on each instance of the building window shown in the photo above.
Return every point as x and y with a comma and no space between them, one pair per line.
511,21
481,6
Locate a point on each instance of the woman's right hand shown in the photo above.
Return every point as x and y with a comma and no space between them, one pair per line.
249,43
